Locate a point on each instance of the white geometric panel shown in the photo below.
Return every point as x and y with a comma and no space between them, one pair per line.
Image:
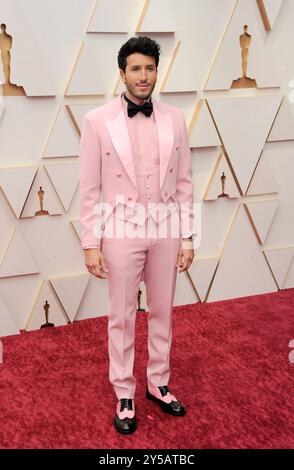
179,76
244,123
77,112
61,173
280,156
50,200
228,63
45,302
95,301
119,86
87,74
289,280
262,214
283,127
242,269
109,16
202,131
20,178
279,260
184,293
269,10
63,140
70,291
221,181
76,225
17,259
203,162
217,218
157,16
263,180
7,324
201,272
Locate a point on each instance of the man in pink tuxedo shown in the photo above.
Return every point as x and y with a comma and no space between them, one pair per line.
135,152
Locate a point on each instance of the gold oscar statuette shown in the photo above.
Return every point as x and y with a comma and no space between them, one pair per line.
46,307
41,198
244,81
223,180
8,88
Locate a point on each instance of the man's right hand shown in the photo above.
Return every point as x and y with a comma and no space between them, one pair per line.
95,263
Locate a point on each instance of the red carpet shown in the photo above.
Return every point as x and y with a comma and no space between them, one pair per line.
229,363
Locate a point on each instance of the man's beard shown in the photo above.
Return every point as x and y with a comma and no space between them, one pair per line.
140,95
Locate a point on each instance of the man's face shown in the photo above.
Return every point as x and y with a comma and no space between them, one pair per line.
140,75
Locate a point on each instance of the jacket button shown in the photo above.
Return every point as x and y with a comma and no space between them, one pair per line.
177,147
107,153
171,170
129,198
119,175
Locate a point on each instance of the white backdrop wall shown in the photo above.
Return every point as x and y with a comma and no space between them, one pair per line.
64,55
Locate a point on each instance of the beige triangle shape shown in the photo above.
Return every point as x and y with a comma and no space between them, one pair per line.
228,63
283,127
202,131
263,180
269,10
156,16
203,162
20,178
76,225
243,124
61,172
185,292
17,259
280,260
37,315
242,270
221,173
109,16
201,272
63,140
51,203
70,291
179,76
77,112
87,75
7,324
262,214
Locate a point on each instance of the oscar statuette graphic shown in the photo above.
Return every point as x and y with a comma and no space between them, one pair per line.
41,198
46,308
8,88
244,81
139,309
223,181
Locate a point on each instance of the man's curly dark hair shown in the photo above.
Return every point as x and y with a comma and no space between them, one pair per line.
140,44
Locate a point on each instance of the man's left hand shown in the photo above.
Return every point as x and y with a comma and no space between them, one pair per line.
185,258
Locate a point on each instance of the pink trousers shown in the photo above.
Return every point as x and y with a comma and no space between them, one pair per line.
126,259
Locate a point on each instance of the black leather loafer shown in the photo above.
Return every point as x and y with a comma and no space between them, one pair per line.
126,425
174,408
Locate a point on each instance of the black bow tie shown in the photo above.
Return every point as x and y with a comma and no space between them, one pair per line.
134,108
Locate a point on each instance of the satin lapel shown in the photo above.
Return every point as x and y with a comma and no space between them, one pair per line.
118,131
165,137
